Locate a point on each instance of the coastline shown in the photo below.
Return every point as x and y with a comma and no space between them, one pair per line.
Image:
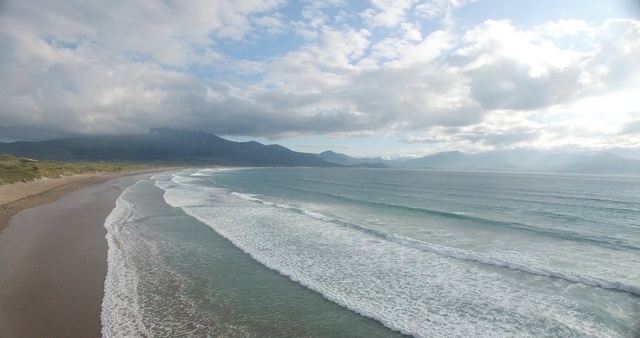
20,196
53,255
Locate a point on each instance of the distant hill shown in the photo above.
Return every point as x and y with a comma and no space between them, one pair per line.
338,158
371,165
615,166
519,160
170,146
444,160
353,162
167,146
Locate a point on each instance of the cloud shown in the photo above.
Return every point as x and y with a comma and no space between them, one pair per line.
434,8
326,146
271,24
428,139
387,13
511,138
631,127
90,68
169,33
523,70
269,21
564,28
510,134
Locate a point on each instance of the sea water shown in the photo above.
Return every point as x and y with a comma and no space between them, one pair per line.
304,252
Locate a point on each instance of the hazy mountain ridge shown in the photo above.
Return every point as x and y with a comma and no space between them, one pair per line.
519,160
371,165
367,162
340,158
164,146
170,146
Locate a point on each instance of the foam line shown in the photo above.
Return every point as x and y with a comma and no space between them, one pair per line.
416,292
121,315
546,272
461,254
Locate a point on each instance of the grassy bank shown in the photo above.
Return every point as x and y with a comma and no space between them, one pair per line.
19,169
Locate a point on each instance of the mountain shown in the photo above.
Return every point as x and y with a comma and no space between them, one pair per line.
503,166
528,160
168,146
393,163
353,162
338,158
371,165
517,160
444,160
603,165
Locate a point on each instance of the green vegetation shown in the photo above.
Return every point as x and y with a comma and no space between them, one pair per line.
20,169
164,147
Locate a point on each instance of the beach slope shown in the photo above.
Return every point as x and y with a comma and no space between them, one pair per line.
53,257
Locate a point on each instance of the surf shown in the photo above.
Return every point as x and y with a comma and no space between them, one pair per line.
374,275
456,253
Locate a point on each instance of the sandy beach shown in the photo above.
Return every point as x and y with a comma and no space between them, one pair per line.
53,254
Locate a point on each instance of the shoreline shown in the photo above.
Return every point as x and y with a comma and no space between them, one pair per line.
53,256
20,196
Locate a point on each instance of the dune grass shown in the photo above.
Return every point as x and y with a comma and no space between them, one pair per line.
20,169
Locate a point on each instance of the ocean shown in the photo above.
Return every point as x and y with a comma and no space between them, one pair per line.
307,252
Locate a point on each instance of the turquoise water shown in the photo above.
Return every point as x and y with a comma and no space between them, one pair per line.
374,253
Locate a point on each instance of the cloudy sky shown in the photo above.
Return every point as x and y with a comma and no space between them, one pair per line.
379,77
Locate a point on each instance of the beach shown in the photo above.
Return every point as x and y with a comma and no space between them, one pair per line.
306,252
53,253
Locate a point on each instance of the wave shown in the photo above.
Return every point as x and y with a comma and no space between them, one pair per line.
540,271
612,242
531,196
121,315
417,293
456,253
602,239
252,198
318,216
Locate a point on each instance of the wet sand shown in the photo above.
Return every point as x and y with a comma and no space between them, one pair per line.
53,259
20,196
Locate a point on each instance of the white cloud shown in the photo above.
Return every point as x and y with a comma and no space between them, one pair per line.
425,139
269,21
308,34
435,8
271,24
443,9
387,13
82,68
565,28
411,32
168,33
326,146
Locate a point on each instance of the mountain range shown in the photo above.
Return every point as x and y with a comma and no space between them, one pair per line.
171,146
519,160
164,146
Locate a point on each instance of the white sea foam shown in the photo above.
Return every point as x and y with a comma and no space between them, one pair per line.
145,296
414,290
486,259
249,197
121,314
467,255
254,198
184,179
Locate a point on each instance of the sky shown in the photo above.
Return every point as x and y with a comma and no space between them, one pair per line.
391,78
